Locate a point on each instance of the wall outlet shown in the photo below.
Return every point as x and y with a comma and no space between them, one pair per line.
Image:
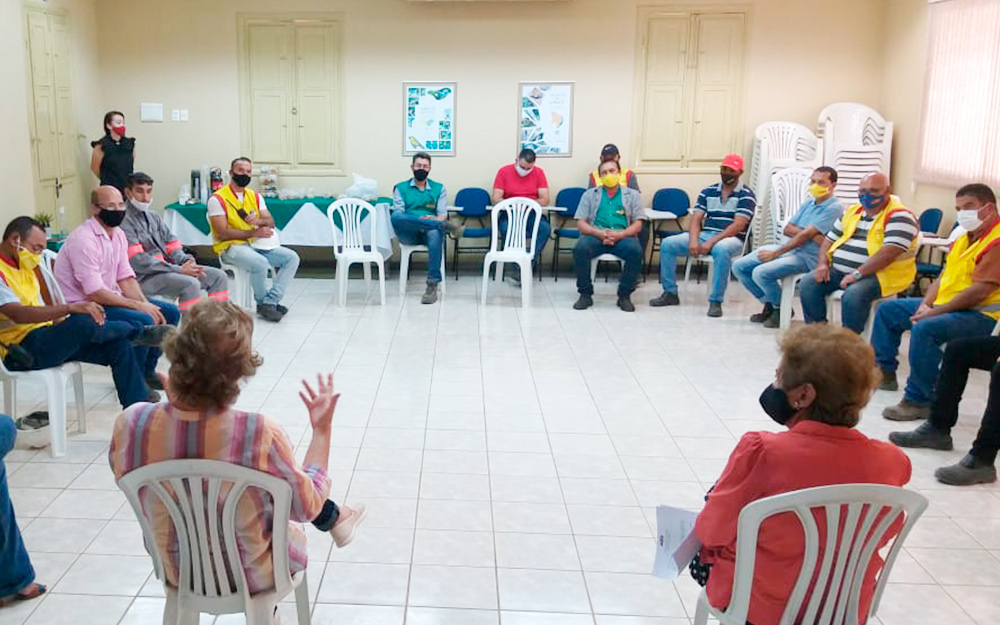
175,115
184,115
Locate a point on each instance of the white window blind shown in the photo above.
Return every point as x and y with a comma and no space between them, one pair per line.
960,129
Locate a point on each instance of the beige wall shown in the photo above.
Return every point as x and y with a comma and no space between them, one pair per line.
794,69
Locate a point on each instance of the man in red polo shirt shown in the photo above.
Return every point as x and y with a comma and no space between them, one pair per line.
524,179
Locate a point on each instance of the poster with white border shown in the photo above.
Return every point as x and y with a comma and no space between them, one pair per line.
429,118
545,118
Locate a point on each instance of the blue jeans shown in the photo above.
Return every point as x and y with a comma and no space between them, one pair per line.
722,255
855,305
284,261
927,340
412,230
15,566
589,247
147,357
544,230
763,280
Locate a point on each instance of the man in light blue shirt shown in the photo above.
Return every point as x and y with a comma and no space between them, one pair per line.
762,271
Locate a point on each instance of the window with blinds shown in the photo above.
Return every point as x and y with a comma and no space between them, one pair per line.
960,127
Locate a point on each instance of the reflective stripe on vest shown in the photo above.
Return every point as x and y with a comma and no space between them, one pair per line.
959,266
899,274
232,205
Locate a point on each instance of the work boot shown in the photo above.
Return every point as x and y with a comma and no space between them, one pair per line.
665,299
269,312
967,472
889,381
774,319
906,410
585,302
430,295
715,309
282,309
762,315
152,336
625,303
926,436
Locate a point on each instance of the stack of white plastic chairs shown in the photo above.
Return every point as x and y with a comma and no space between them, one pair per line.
856,141
777,146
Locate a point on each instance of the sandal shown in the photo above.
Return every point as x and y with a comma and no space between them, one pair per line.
34,421
39,590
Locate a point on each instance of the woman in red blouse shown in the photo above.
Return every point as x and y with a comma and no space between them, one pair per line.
823,382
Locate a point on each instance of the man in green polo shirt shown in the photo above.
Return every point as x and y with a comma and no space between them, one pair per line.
609,218
420,217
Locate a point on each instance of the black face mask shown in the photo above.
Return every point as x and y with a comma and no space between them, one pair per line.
420,174
774,401
728,179
241,180
111,219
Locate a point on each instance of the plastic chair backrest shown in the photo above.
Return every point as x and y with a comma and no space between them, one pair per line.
201,498
854,124
786,141
569,198
858,519
518,211
346,217
672,200
473,201
788,191
930,220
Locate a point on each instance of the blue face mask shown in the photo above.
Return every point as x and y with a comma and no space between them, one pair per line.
870,201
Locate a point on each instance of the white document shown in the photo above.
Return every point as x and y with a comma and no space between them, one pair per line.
676,543
269,243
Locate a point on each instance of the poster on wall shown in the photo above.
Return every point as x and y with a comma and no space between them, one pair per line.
429,122
545,114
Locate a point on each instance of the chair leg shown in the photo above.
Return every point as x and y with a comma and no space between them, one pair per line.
381,283
10,397
593,269
81,406
444,272
701,610
260,612
302,601
486,279
367,271
57,413
787,297
526,284
498,272
555,259
343,268
404,270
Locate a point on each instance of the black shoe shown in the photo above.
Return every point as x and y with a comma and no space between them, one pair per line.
152,336
967,472
430,295
774,319
762,316
283,310
153,382
625,303
269,312
665,299
154,397
583,303
889,381
926,436
715,309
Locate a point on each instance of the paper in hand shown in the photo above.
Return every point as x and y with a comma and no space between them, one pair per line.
676,543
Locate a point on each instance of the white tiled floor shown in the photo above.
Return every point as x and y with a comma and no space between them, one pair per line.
511,460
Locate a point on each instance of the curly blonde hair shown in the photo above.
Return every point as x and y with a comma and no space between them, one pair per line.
210,355
838,363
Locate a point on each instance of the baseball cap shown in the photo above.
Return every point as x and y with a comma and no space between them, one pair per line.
610,149
733,161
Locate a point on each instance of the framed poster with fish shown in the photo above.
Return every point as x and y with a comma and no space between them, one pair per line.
545,118
429,118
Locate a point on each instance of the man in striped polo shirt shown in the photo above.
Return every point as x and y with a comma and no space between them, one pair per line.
870,254
720,219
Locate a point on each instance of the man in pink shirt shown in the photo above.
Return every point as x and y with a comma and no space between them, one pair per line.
524,179
93,266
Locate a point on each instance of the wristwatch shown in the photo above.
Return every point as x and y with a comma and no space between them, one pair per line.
857,274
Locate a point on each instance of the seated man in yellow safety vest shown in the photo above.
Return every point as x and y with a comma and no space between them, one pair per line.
963,302
870,254
243,231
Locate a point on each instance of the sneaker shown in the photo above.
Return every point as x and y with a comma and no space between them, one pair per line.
583,303
625,303
347,525
665,299
967,472
430,295
282,309
762,315
774,319
153,382
714,309
269,312
456,230
926,436
153,397
152,336
906,410
889,381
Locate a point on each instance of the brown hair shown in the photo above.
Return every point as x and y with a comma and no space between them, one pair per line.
210,355
838,363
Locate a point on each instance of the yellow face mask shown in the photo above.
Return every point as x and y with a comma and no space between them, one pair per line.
818,190
611,180
26,259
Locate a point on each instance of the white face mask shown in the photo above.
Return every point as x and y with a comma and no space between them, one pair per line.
968,219
521,171
143,206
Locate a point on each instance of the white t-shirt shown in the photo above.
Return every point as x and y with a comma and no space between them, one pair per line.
216,209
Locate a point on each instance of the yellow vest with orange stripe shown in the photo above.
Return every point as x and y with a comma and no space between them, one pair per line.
900,273
958,268
233,206
595,177
24,283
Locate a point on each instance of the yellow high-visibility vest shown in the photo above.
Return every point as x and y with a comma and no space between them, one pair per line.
962,259
899,274
249,205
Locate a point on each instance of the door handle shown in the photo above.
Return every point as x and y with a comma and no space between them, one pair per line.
295,111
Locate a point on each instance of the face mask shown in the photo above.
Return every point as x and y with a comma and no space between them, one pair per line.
26,259
968,219
241,180
420,174
120,130
111,219
817,190
143,206
774,401
521,171
870,201
729,179
611,180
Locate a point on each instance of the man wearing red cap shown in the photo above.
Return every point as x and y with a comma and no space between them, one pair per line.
720,219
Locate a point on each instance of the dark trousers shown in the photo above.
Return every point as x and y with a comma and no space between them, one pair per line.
146,356
590,247
856,303
16,573
327,517
960,356
79,338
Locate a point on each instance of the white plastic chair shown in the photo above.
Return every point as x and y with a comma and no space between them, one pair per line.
710,261
778,145
838,295
518,247
242,293
604,258
54,379
404,265
868,511
857,141
789,189
349,245
205,507
788,285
